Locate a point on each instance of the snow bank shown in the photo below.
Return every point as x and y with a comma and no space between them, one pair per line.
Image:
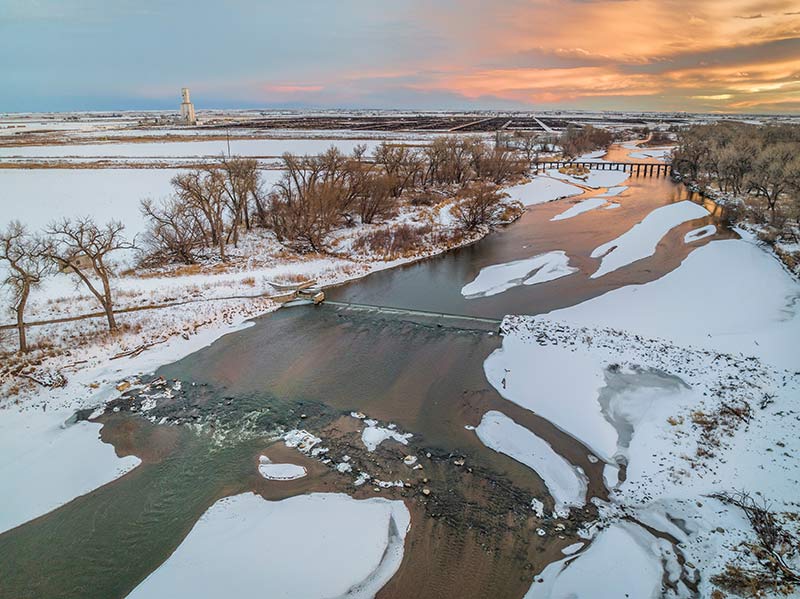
728,295
641,240
613,191
45,463
623,561
580,208
311,546
498,278
272,471
564,482
657,153
541,190
556,383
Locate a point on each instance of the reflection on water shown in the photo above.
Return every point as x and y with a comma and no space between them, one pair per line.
436,284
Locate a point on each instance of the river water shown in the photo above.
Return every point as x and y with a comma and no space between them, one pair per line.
473,535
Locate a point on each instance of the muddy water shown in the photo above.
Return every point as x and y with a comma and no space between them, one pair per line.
436,284
473,534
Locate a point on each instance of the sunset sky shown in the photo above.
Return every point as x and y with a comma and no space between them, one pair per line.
721,55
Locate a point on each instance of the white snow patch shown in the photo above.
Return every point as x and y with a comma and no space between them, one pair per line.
498,278
311,546
580,208
624,561
612,191
565,484
753,304
594,178
701,233
641,240
542,189
272,471
373,435
45,464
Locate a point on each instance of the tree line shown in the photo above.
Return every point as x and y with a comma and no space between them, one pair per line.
761,161
211,207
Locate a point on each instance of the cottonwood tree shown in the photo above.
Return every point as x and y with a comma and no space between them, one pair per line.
478,206
174,232
377,199
242,182
83,248
308,202
401,164
770,176
204,192
27,265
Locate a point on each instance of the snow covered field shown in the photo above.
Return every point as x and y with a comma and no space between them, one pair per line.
729,295
637,402
310,546
40,196
200,149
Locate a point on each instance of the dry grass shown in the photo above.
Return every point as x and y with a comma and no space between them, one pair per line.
395,242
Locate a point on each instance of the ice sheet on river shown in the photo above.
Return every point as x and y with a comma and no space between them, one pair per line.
541,190
580,208
312,546
564,482
272,471
498,278
44,465
641,240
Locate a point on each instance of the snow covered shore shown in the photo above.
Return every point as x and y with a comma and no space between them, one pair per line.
695,395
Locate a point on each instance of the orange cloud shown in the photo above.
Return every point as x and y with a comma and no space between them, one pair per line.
689,53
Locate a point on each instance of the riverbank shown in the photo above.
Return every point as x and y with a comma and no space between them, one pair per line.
786,250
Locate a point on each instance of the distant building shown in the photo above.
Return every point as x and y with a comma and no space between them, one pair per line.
187,108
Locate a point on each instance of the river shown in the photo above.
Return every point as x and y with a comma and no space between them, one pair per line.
473,533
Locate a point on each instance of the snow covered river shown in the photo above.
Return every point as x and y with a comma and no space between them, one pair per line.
417,455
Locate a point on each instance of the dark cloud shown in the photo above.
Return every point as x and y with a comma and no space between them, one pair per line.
770,51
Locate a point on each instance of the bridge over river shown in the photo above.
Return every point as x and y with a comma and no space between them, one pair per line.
647,169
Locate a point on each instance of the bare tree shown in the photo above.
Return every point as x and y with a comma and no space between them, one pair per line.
478,206
378,198
770,176
173,231
309,200
83,247
204,191
242,182
401,164
27,264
